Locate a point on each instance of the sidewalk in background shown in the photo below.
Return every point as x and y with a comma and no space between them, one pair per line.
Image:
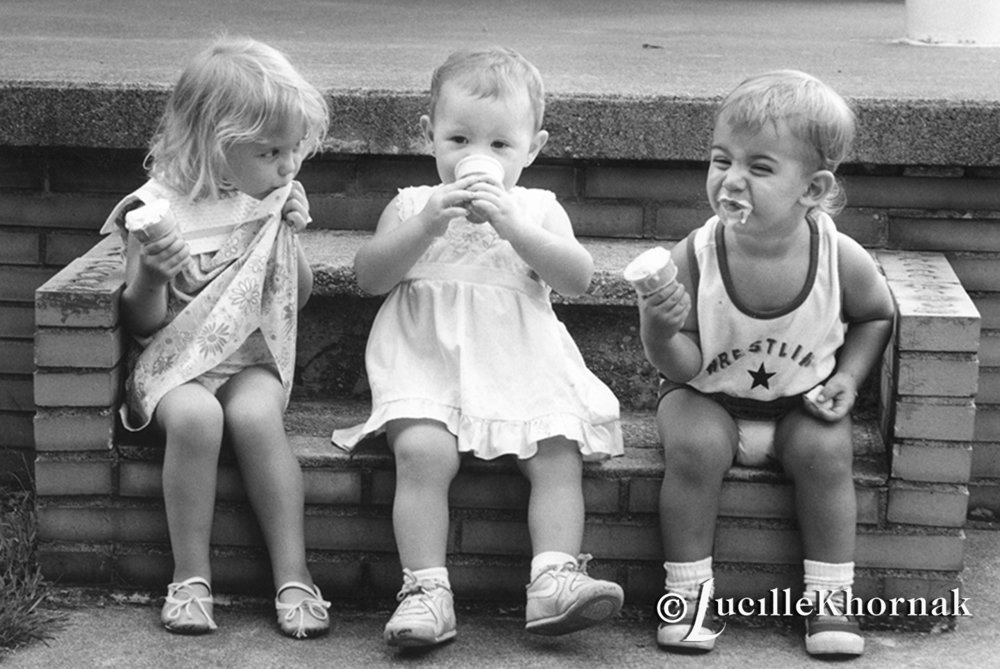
687,48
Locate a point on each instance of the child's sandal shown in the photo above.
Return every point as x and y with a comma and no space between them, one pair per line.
177,614
306,618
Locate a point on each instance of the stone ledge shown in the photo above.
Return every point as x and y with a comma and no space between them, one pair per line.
331,254
582,127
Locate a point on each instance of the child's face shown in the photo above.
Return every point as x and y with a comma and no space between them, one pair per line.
464,125
770,170
257,168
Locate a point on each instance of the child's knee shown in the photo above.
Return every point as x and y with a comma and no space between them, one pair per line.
557,461
424,450
190,416
707,455
255,414
556,451
822,458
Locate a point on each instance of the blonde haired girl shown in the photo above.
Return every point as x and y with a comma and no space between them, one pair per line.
212,304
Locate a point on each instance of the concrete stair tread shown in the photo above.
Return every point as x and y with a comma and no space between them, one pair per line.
331,254
309,424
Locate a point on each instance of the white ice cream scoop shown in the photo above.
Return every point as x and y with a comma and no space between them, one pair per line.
150,221
651,271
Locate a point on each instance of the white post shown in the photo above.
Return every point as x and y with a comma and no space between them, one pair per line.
953,22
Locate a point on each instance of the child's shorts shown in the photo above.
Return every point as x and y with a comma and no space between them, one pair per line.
755,421
756,445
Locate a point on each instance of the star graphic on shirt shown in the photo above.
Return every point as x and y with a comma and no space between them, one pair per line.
760,377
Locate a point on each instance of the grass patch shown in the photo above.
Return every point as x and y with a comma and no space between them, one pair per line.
22,589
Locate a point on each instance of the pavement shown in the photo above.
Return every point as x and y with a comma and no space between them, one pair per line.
635,80
677,49
118,630
693,48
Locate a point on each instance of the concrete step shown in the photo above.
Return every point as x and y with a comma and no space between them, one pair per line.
101,513
604,323
309,424
349,530
334,326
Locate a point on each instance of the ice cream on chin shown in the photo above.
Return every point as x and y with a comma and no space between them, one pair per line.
651,271
733,210
488,168
150,221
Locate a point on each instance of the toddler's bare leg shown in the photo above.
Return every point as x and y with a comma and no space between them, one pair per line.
427,461
819,459
254,403
699,443
556,506
191,419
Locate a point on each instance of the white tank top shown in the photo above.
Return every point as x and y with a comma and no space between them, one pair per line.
764,361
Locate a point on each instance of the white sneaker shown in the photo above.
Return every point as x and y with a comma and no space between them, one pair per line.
425,615
673,636
564,599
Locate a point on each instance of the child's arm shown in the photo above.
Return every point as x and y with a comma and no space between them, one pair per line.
868,310
668,325
550,249
386,258
148,270
553,252
305,276
295,212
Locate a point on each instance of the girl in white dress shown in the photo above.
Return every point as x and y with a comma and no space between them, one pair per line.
467,356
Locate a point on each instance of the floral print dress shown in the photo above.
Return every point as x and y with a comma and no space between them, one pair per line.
233,306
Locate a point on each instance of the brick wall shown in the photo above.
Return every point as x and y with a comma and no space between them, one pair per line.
52,202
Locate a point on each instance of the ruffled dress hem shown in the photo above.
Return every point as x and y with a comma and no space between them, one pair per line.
488,438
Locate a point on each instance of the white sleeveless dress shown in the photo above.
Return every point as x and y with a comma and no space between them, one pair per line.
469,338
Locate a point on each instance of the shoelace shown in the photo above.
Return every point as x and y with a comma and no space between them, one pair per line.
579,566
316,607
411,586
183,606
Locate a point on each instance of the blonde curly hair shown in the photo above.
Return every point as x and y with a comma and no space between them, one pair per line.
237,90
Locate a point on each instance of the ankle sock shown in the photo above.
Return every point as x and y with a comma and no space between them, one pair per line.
827,576
685,578
435,574
546,559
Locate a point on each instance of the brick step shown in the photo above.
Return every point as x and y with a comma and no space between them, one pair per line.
365,477
101,516
331,254
984,496
604,323
121,535
890,562
334,326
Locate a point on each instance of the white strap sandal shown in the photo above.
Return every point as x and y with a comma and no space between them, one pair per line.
292,617
177,615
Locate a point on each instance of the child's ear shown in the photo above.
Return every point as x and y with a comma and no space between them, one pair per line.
821,184
537,142
427,128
